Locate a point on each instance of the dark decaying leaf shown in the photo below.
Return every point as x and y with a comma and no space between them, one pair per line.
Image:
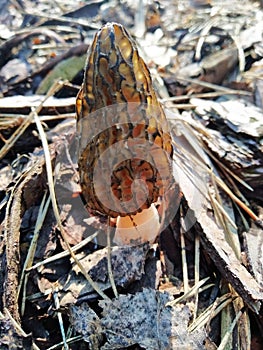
142,318
11,337
86,322
127,264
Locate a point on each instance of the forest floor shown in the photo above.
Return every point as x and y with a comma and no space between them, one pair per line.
63,283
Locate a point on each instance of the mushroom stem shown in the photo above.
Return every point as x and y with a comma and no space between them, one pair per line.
139,228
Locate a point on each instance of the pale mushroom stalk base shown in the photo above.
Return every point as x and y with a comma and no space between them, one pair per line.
139,228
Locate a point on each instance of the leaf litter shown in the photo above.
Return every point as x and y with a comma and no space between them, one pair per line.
208,74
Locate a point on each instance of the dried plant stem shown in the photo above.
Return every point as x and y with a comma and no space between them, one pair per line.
237,200
60,320
25,124
54,203
32,248
184,260
110,273
207,27
191,292
229,331
65,253
205,84
210,312
225,188
241,53
228,171
197,272
204,95
224,220
69,341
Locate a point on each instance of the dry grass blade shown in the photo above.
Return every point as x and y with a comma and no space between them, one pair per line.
227,170
184,260
191,292
197,272
221,209
211,23
218,180
49,16
8,120
237,200
25,124
69,341
211,312
206,84
110,273
215,199
227,335
64,254
224,220
32,248
241,54
54,202
205,95
60,320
